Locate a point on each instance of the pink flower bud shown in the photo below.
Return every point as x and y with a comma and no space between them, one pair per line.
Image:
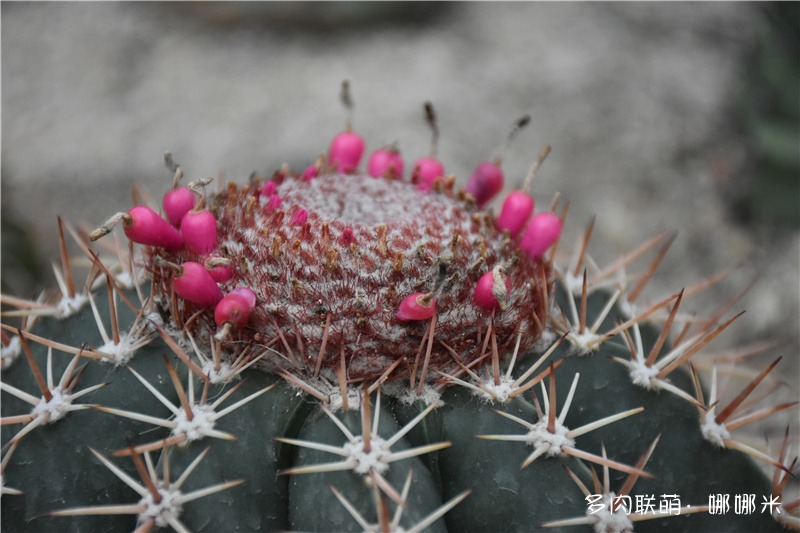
219,268
426,170
300,217
542,232
347,237
485,182
417,306
386,163
274,202
516,210
145,226
492,290
196,285
268,189
177,203
346,151
199,229
235,308
311,172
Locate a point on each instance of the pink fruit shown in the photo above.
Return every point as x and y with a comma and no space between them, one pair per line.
417,306
385,162
485,182
219,268
346,151
199,229
177,203
235,308
426,170
246,293
492,290
195,284
516,210
145,226
542,232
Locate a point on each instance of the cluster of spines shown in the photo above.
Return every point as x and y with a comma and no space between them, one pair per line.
690,347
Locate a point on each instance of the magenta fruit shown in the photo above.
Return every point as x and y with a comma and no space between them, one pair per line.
346,151
385,162
235,308
220,268
144,226
517,209
347,147
199,230
492,290
518,205
177,203
428,169
486,181
194,283
542,232
417,306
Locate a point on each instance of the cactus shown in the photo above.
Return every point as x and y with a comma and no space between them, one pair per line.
328,350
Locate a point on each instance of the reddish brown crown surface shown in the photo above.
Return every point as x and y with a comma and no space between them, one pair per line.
361,247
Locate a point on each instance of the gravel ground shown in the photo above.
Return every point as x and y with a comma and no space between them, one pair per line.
637,99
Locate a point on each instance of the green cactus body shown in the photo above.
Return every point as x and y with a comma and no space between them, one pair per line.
57,477
382,356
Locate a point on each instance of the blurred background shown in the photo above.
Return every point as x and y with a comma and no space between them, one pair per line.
675,116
